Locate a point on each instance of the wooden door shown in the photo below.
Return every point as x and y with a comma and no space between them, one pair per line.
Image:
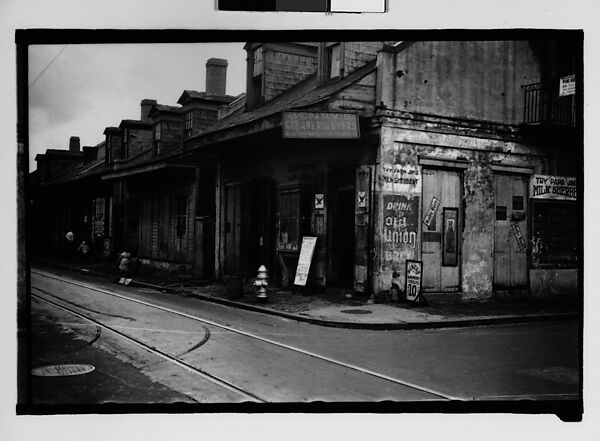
232,226
441,230
510,232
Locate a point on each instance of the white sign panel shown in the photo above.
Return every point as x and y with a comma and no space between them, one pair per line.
567,86
319,201
306,254
414,270
361,201
400,178
553,187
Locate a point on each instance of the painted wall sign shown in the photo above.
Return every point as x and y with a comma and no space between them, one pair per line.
413,279
361,200
400,226
433,207
326,125
306,254
521,243
553,187
319,201
450,237
567,86
400,178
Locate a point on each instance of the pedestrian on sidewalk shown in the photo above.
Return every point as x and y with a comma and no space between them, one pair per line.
124,265
84,250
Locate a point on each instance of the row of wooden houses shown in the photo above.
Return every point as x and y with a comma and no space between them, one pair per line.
384,151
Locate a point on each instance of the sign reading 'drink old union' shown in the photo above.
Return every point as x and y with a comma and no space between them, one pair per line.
330,125
553,187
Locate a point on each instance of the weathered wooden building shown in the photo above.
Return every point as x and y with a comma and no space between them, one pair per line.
415,150
448,152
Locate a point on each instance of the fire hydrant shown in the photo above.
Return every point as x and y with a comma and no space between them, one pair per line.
261,283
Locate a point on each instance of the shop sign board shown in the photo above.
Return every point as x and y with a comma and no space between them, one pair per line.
521,243
320,125
400,178
413,279
553,187
433,206
567,86
306,254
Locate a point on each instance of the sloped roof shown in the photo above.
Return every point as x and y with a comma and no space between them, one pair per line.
302,95
195,95
164,108
134,122
79,171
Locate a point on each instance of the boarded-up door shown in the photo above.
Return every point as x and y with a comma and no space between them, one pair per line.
232,229
441,230
510,232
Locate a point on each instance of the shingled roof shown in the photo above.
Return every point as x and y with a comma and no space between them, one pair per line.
189,95
304,94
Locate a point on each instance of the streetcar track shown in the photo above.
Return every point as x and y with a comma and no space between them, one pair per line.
210,377
83,307
263,339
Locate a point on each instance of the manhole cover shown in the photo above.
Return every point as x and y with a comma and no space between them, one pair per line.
356,311
62,370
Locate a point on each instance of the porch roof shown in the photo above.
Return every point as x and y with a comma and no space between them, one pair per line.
145,169
303,95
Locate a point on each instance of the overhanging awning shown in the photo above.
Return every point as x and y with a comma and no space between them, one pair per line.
146,169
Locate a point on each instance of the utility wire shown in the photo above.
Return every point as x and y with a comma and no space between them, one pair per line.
47,66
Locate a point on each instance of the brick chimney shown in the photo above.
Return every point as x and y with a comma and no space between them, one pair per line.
74,144
216,76
145,106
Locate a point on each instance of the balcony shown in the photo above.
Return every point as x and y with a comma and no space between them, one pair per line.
544,107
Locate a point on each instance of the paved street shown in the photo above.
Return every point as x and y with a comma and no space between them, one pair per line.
247,356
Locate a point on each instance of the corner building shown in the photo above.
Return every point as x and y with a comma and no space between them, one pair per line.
425,150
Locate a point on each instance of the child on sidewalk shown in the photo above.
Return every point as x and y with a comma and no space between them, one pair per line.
124,265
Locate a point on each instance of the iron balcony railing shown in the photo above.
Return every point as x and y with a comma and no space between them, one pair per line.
544,106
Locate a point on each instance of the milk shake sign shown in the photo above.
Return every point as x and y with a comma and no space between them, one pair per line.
553,187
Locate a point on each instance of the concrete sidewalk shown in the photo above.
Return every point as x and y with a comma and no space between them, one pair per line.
340,308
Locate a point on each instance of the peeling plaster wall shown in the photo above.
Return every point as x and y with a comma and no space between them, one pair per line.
403,146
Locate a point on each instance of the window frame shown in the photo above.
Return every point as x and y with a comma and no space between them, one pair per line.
157,137
188,124
284,219
330,58
257,76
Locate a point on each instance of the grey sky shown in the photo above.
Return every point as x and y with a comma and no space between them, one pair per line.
90,87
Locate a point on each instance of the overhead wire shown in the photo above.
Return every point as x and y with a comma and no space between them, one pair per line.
47,66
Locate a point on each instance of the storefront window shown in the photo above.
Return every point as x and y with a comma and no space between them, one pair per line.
289,219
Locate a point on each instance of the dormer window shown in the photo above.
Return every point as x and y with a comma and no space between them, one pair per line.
188,124
257,75
333,55
157,137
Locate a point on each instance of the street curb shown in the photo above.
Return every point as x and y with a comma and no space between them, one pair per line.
514,319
